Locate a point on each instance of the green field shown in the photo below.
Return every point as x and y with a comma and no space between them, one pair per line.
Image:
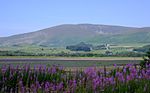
119,50
69,62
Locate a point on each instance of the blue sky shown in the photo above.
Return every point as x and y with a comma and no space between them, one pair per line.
22,16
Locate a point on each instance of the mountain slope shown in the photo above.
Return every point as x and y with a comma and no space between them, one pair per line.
68,34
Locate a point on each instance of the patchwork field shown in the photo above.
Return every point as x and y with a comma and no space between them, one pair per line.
70,62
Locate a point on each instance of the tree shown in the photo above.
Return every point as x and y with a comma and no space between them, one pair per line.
146,60
80,47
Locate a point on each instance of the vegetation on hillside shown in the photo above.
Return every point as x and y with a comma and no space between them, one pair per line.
80,47
70,34
79,50
142,49
76,54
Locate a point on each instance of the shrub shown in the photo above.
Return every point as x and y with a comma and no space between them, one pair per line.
146,60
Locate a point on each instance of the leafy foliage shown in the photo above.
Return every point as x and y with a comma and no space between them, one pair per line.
146,61
142,49
80,47
42,79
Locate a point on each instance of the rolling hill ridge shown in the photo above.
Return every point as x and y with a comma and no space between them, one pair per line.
68,34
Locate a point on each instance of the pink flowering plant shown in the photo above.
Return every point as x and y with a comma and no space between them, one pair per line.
42,79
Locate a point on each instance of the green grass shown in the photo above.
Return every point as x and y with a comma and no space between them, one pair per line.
51,57
73,63
51,50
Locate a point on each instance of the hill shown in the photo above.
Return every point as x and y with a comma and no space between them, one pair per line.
68,34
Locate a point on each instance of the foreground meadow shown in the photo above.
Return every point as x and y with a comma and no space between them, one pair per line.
42,79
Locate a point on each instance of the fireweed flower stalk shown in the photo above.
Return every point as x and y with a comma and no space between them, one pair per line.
42,79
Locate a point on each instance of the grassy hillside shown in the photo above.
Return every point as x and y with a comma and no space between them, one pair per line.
69,34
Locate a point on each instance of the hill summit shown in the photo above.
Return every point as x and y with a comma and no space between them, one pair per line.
68,34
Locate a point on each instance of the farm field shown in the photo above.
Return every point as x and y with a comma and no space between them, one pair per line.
70,61
62,51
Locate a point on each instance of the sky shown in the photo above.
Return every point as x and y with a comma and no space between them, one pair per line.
22,16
